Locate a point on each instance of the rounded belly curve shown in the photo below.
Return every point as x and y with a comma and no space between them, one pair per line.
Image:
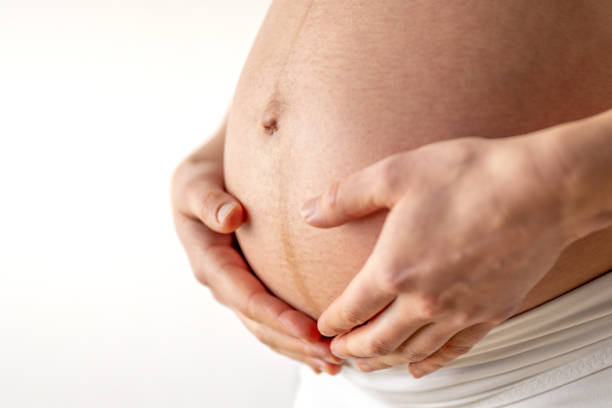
333,86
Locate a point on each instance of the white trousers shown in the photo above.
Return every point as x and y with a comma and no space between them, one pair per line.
556,355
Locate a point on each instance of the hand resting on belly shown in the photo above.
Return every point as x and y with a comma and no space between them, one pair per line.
474,225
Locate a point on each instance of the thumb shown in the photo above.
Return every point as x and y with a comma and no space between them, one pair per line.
361,193
217,209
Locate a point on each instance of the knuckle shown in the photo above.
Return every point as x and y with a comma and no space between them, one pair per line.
378,347
390,174
259,333
462,318
247,322
183,225
200,275
503,314
414,355
209,200
202,265
350,316
380,363
455,350
249,307
307,350
277,350
331,196
428,305
392,279
285,353
383,365
217,296
175,179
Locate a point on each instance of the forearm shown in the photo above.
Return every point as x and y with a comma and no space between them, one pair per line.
583,155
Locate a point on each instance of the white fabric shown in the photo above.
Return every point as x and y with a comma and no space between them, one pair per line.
537,359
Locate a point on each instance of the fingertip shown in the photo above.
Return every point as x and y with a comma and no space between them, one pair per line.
236,217
224,210
416,372
313,215
329,332
364,366
419,370
316,370
338,347
333,369
230,216
329,368
309,208
325,329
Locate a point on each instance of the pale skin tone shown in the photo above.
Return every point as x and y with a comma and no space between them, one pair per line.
474,224
205,217
453,180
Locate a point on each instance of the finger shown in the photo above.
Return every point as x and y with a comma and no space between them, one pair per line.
217,209
386,273
358,195
316,364
198,193
220,266
237,288
361,300
458,345
381,335
426,341
274,338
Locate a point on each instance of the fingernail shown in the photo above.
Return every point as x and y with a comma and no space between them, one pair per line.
224,211
335,372
333,359
331,371
308,209
325,330
365,367
417,372
316,370
321,366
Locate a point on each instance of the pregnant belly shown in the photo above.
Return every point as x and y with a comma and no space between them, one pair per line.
333,86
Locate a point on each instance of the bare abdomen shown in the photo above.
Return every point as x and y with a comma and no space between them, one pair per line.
333,86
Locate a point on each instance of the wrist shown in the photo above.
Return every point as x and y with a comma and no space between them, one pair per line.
577,155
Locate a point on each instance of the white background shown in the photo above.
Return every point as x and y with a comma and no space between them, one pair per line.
99,100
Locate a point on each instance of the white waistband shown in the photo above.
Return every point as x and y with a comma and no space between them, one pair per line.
567,329
579,317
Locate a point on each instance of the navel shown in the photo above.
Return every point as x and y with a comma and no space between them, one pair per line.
270,125
271,115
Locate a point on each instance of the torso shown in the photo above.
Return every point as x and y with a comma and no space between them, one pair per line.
333,86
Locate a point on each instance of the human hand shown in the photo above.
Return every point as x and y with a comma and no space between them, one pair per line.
474,224
205,218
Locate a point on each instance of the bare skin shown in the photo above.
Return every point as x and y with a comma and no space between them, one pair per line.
316,83
205,217
444,272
